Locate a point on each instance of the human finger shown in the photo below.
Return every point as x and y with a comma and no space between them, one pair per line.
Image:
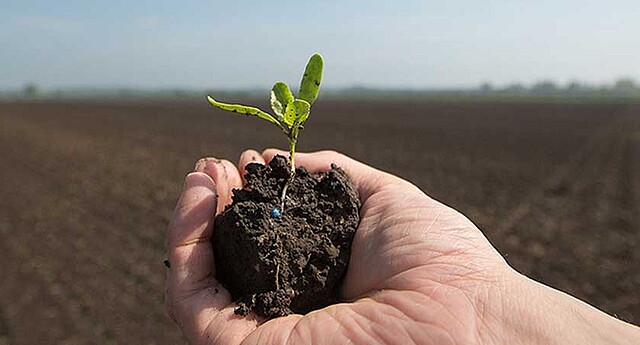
190,266
194,299
249,156
225,176
366,179
190,229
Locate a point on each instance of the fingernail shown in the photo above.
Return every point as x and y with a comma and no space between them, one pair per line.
201,165
250,155
195,180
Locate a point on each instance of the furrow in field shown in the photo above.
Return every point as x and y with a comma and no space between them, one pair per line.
82,246
587,237
34,296
580,166
78,254
84,188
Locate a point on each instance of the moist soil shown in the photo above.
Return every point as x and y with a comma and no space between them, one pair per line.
292,262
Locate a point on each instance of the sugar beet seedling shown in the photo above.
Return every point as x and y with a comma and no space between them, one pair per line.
290,112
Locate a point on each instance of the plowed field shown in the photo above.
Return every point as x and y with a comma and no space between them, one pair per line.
87,189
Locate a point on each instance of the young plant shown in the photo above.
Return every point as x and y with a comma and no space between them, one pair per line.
290,113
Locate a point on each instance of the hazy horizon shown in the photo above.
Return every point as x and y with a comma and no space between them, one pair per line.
251,44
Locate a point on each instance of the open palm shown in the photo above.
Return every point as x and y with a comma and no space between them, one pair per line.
420,272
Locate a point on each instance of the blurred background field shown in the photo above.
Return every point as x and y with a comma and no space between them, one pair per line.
525,116
88,188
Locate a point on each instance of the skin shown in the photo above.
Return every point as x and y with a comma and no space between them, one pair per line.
420,273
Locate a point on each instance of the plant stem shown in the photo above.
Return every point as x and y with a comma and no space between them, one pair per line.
292,151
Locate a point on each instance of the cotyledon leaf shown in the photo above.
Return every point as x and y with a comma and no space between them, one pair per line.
296,110
310,84
276,106
243,109
283,94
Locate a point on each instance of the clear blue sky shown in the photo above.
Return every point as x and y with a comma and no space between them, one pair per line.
244,43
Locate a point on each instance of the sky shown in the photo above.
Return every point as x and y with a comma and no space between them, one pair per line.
251,44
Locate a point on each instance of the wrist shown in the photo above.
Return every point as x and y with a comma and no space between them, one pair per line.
531,313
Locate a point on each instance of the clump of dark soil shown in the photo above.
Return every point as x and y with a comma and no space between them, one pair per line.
294,262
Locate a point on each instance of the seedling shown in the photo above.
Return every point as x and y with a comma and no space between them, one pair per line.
290,113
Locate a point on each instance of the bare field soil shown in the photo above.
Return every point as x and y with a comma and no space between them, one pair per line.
87,190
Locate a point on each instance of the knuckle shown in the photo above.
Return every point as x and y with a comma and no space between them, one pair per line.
168,305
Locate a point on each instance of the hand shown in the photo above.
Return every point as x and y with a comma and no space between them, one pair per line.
420,272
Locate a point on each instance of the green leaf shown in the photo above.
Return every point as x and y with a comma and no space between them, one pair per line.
296,112
302,117
243,109
276,106
310,84
282,93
